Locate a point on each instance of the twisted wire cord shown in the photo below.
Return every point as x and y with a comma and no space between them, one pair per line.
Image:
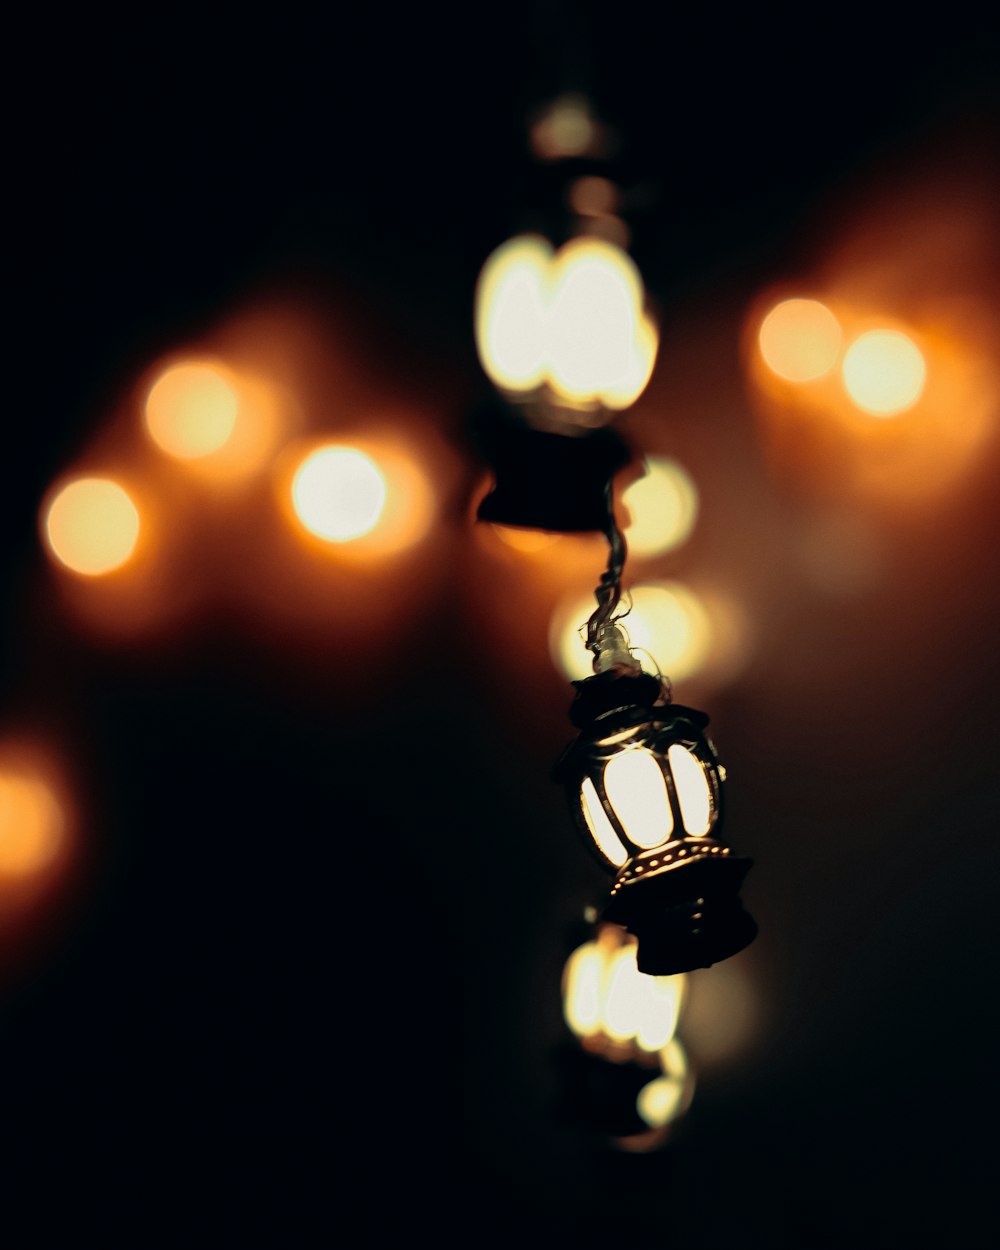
609,590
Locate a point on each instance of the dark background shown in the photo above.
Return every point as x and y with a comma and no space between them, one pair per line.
276,1010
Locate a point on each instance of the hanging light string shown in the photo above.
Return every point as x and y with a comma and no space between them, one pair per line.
605,638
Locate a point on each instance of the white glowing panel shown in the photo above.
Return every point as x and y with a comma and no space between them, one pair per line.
511,312
637,791
624,996
659,1010
594,319
601,829
693,792
583,997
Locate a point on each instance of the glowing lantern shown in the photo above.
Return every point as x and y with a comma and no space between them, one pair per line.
645,788
627,1075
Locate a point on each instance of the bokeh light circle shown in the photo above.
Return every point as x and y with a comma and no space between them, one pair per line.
338,493
884,372
662,507
800,340
92,526
191,410
32,823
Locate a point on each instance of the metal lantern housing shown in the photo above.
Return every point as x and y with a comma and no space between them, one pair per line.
645,787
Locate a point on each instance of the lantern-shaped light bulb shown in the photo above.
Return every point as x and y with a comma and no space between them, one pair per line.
645,786
627,1073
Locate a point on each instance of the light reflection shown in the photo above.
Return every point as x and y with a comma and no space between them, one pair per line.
884,372
800,340
92,526
723,1012
526,540
338,493
191,409
662,507
32,824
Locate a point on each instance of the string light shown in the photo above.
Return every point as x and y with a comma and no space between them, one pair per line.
557,332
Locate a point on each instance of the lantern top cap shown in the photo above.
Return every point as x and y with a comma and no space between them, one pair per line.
614,691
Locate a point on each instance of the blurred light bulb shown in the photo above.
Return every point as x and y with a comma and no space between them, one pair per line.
338,493
566,128
511,310
191,410
884,372
605,994
800,340
663,507
574,320
92,526
31,825
668,1096
594,318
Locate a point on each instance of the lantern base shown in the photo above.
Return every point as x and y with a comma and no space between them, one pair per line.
600,1095
688,915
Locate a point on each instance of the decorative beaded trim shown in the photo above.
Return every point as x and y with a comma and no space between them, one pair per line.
638,870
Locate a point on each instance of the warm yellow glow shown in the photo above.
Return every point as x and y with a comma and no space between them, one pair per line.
605,994
582,989
526,540
668,627
637,791
662,507
639,369
592,196
191,410
667,1097
659,1102
724,1012
693,792
601,829
92,526
884,372
574,320
800,340
565,129
623,992
593,320
659,1010
31,824
511,311
338,493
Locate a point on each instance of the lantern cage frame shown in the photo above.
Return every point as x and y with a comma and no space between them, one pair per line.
680,898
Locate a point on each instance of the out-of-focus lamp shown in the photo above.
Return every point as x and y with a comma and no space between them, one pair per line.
566,338
626,1075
